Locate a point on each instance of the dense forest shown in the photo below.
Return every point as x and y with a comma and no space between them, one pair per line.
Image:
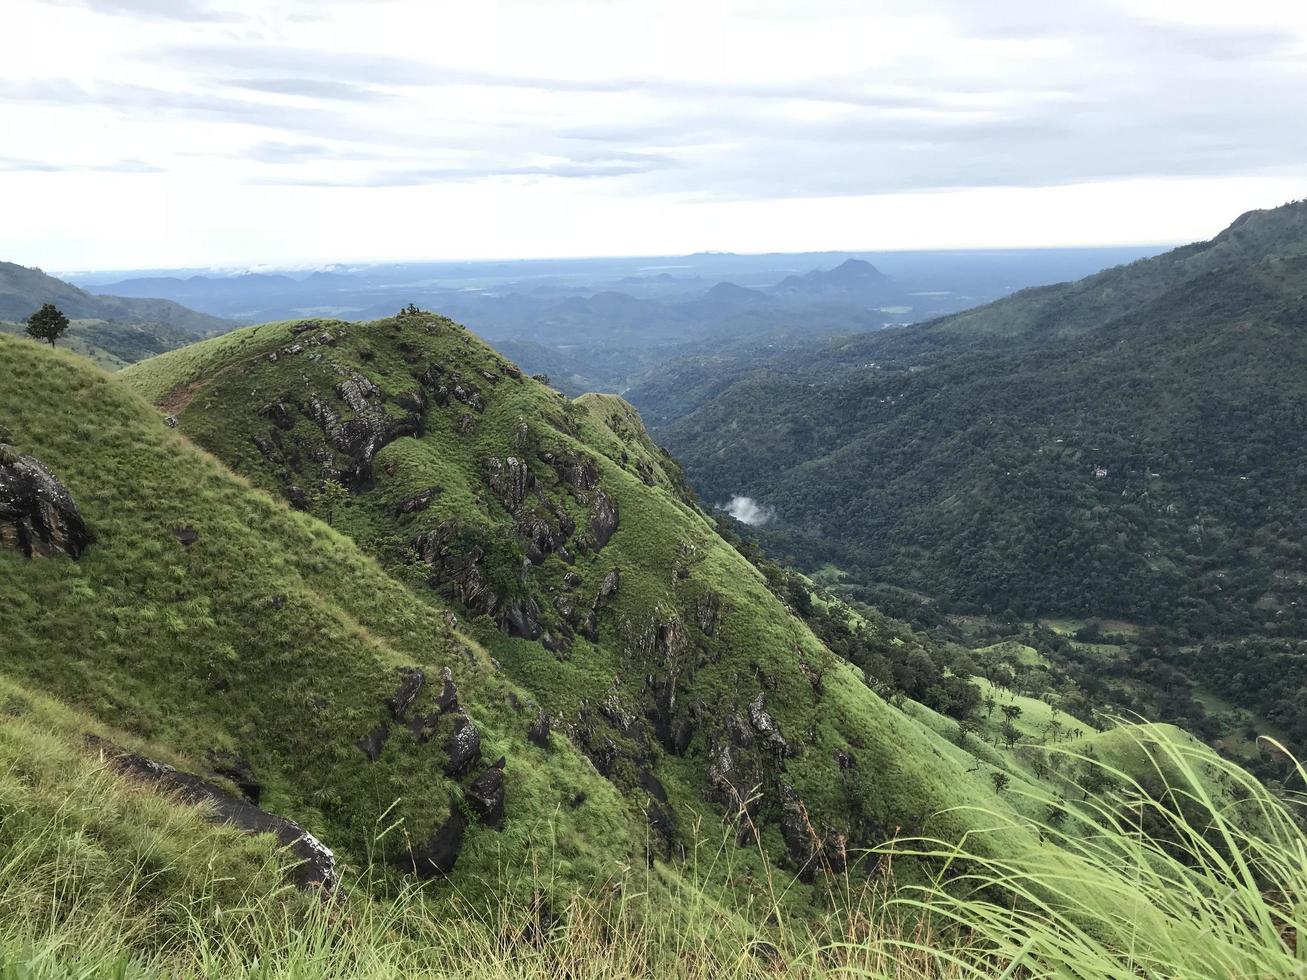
1130,446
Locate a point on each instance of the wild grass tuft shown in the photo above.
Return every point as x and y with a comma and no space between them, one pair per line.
1188,869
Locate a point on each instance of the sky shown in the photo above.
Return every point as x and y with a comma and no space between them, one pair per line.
233,134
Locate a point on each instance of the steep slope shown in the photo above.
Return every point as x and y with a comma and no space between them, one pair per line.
568,544
23,290
212,621
1127,446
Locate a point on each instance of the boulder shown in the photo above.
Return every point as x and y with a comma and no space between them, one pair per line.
437,856
603,518
448,700
464,746
374,741
37,514
317,868
411,680
538,733
485,797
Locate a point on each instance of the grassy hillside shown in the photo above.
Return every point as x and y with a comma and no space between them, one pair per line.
23,290
271,636
709,757
114,345
654,645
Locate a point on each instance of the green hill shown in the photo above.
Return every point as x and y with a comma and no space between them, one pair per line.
571,552
1128,446
110,330
608,685
640,681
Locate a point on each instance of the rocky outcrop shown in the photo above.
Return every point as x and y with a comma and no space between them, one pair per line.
485,797
411,680
706,611
438,854
608,587
521,618
419,502
317,866
603,518
538,733
766,727
801,841
37,514
464,746
510,480
360,439
455,560
232,766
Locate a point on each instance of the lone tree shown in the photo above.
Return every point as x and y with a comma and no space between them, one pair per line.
47,323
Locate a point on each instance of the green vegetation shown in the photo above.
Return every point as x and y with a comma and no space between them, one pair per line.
1125,447
47,324
114,345
711,764
24,290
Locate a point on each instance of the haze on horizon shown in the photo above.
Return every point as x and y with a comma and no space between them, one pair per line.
191,133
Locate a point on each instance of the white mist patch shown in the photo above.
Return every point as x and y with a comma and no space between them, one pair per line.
746,510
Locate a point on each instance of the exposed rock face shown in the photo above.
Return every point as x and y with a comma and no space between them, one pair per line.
463,747
438,854
37,514
319,864
232,766
539,731
455,562
510,480
410,686
485,797
766,727
603,517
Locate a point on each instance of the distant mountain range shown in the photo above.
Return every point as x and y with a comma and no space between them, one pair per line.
24,290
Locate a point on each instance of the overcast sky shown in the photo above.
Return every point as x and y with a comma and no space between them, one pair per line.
226,133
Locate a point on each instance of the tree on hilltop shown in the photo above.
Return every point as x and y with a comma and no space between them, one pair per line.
47,323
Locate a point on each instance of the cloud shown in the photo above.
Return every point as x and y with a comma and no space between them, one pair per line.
651,107
313,88
20,165
179,10
746,510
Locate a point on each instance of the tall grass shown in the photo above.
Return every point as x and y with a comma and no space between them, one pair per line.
1175,865
1182,867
